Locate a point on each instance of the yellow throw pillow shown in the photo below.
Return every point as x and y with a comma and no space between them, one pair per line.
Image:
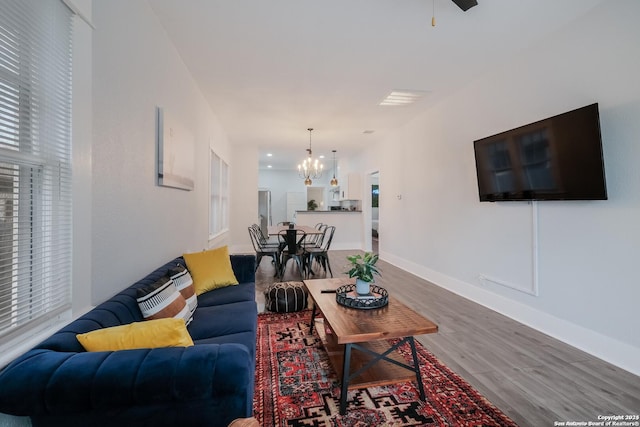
168,332
210,269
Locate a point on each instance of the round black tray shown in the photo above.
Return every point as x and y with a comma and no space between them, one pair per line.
346,295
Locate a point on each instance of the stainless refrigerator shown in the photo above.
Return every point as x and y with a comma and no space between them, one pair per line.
264,210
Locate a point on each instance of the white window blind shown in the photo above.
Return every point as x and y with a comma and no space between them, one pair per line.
35,164
219,209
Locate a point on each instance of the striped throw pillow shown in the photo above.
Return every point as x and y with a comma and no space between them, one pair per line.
183,281
162,300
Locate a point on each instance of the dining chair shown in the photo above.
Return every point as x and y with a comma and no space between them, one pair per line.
315,240
264,238
264,249
321,254
291,247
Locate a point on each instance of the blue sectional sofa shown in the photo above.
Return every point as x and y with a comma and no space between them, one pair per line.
58,383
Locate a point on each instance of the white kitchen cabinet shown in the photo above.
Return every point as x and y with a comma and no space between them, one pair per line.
351,187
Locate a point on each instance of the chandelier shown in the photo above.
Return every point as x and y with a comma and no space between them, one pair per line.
310,169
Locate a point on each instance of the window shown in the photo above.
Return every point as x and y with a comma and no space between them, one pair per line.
219,212
35,164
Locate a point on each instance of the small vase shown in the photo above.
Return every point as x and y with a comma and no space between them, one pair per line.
362,287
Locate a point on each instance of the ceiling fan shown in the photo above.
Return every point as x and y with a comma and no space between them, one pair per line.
465,4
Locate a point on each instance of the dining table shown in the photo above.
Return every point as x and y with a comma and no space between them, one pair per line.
291,232
274,230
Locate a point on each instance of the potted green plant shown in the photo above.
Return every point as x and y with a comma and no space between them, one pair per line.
363,268
312,205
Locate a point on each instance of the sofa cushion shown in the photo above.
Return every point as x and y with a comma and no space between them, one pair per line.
210,269
228,295
223,319
247,339
161,300
184,282
169,332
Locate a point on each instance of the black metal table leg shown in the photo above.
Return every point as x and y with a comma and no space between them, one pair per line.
346,366
345,378
416,366
313,318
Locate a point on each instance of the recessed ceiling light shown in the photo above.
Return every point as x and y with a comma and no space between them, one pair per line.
269,154
321,156
399,98
269,166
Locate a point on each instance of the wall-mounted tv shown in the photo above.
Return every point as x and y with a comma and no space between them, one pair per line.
559,158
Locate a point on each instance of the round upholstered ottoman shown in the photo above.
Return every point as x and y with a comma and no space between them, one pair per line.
285,297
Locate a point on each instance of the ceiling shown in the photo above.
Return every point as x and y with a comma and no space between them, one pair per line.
270,69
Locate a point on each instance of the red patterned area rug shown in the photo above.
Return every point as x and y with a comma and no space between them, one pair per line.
297,386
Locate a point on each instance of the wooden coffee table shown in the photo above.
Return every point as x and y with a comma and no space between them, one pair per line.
346,329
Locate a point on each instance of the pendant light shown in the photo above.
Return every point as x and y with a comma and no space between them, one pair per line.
334,181
433,17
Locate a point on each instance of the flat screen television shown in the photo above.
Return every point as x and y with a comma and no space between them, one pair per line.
559,158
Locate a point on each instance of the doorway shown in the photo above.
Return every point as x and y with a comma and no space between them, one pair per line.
315,199
264,210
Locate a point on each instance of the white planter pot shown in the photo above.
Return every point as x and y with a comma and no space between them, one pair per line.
362,287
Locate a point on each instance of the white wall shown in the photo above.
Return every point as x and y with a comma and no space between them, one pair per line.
138,225
244,197
82,130
587,252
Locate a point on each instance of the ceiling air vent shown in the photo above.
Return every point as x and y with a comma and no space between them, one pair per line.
402,97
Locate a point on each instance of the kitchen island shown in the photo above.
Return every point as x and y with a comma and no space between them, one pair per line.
349,226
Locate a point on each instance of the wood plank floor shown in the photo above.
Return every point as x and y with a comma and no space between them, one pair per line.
533,378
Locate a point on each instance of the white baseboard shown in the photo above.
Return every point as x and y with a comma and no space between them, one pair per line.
241,249
606,348
345,246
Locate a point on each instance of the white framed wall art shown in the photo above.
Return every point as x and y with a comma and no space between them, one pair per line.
175,153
